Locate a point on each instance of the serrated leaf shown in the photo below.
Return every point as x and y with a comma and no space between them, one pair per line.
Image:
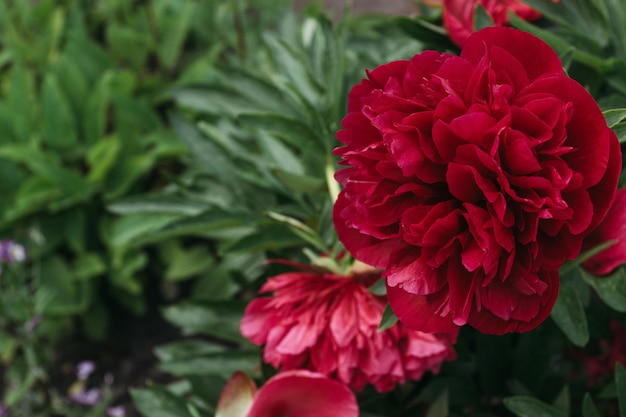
156,401
530,407
569,314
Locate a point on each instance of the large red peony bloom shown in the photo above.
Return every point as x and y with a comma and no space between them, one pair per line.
458,15
289,394
328,323
613,227
471,179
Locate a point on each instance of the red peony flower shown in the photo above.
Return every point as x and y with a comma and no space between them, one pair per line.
328,323
613,227
458,15
471,179
290,394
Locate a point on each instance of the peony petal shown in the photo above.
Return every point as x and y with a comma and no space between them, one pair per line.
537,58
303,394
236,397
421,312
613,227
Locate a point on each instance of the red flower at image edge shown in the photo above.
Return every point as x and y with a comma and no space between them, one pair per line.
329,324
612,351
471,179
613,227
289,394
458,15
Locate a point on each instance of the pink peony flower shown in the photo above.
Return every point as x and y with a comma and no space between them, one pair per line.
613,227
328,323
471,179
458,15
289,394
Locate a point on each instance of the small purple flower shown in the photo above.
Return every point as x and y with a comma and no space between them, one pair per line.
31,325
88,397
11,252
84,369
117,411
4,411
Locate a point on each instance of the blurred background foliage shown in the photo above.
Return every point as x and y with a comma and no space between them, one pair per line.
156,155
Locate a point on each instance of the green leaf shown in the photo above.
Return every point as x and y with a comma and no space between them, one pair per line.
482,19
271,237
207,387
123,275
388,320
101,157
424,31
156,401
589,408
59,127
185,263
34,194
614,116
58,293
440,407
156,203
130,228
569,314
185,349
620,382
562,401
300,183
611,288
128,43
294,131
88,265
530,407
217,318
222,363
21,100
174,22
211,156
95,114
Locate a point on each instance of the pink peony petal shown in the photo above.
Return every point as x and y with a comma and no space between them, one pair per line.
303,394
237,396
